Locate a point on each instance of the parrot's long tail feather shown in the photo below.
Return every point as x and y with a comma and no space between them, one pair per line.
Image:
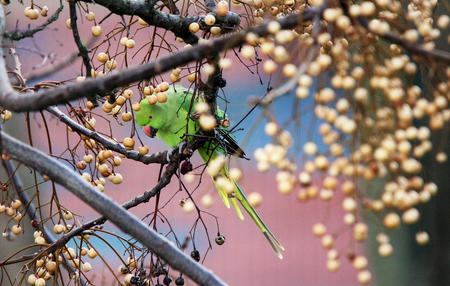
240,196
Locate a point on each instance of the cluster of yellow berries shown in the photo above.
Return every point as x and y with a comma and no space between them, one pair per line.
156,94
46,266
33,13
12,211
96,30
369,102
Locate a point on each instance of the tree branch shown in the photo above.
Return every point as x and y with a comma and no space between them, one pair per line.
29,102
124,220
179,25
21,34
31,210
82,49
159,157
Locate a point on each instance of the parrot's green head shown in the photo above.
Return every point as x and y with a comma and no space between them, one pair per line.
151,117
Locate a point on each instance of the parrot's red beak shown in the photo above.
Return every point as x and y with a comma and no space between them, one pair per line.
150,131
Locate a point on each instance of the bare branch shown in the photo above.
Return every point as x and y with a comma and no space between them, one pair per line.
124,220
29,102
159,157
19,35
31,210
179,25
82,49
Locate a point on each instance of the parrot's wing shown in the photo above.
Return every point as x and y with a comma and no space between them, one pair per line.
228,144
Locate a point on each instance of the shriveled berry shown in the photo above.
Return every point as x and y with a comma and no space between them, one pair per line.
220,239
186,167
167,280
195,255
179,281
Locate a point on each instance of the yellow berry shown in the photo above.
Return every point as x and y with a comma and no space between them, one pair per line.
96,31
194,27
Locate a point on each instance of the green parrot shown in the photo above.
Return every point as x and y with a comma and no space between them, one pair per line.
168,122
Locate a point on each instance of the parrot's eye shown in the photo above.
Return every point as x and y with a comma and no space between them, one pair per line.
150,117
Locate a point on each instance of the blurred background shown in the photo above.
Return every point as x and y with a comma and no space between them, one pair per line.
245,258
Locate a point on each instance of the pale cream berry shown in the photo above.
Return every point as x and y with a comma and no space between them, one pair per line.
96,31
271,128
411,216
50,266
194,27
16,204
301,92
30,13
360,262
16,229
422,238
222,8
111,64
355,10
321,162
39,282
235,174
443,21
385,249
130,43
201,107
128,142
280,53
441,157
6,115
68,24
367,8
327,241
304,178
152,99
349,218
188,206
333,265
305,80
86,267
90,16
267,48
319,229
39,240
391,220
127,116
289,70
255,199
349,204
248,52
269,66
128,93
207,201
225,63
207,122
360,231
273,27
143,150
285,187
115,178
161,97
31,279
164,86
331,14
364,276
210,20
123,41
92,253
